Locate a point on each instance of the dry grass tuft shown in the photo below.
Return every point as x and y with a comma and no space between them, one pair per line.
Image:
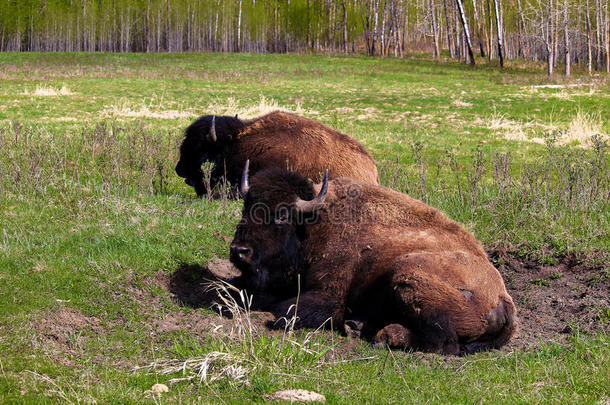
460,103
145,112
580,131
513,130
214,366
244,348
583,127
45,91
264,106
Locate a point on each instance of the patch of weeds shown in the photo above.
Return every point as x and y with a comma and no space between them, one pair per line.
603,314
548,260
556,275
559,247
540,282
550,350
602,277
498,262
572,329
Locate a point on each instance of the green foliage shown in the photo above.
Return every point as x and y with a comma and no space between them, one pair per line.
540,282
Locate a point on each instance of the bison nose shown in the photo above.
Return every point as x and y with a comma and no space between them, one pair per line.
244,253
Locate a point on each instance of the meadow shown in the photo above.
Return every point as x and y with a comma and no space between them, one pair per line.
104,251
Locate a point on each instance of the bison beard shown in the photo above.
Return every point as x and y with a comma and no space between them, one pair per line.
387,267
276,140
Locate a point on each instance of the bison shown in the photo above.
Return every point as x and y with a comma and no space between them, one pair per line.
380,264
278,139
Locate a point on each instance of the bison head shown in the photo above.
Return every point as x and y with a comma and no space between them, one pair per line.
206,140
270,240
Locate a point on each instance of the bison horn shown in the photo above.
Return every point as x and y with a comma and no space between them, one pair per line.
212,136
245,185
316,203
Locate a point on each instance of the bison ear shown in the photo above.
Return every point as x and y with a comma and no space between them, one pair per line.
304,206
212,135
245,184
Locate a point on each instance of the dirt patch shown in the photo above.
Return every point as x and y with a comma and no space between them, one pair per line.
189,283
556,299
61,332
188,288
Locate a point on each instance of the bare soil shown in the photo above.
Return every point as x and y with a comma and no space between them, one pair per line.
555,300
60,333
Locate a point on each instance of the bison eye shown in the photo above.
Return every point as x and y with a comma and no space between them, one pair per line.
282,216
281,220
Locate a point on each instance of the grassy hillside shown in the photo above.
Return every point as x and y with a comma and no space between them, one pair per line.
103,248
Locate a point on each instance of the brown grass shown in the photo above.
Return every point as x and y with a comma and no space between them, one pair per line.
46,91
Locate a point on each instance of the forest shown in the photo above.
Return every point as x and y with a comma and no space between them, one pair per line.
558,32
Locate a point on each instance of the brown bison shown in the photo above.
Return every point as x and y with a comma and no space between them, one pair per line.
381,264
279,139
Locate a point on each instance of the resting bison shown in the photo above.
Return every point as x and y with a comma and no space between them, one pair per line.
379,263
279,139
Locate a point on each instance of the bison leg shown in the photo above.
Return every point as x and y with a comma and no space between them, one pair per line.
312,311
394,336
428,304
429,291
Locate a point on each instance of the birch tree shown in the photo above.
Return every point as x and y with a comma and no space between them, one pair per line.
466,30
499,32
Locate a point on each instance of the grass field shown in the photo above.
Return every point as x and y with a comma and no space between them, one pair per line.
103,248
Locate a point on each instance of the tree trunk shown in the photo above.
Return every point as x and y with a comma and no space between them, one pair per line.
238,47
489,32
589,38
308,39
550,63
548,37
376,11
168,29
365,14
607,28
434,29
466,30
147,27
451,53
520,28
344,27
598,19
458,37
477,21
566,38
499,31
555,20
382,39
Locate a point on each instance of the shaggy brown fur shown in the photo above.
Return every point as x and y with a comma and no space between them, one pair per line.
401,269
276,140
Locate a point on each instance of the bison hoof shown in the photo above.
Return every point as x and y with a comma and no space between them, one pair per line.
353,328
394,336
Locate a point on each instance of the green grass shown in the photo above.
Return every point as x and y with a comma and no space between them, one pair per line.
93,218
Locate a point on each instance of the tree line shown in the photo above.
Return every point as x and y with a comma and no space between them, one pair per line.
555,31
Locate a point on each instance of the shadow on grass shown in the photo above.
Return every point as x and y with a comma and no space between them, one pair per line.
190,286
